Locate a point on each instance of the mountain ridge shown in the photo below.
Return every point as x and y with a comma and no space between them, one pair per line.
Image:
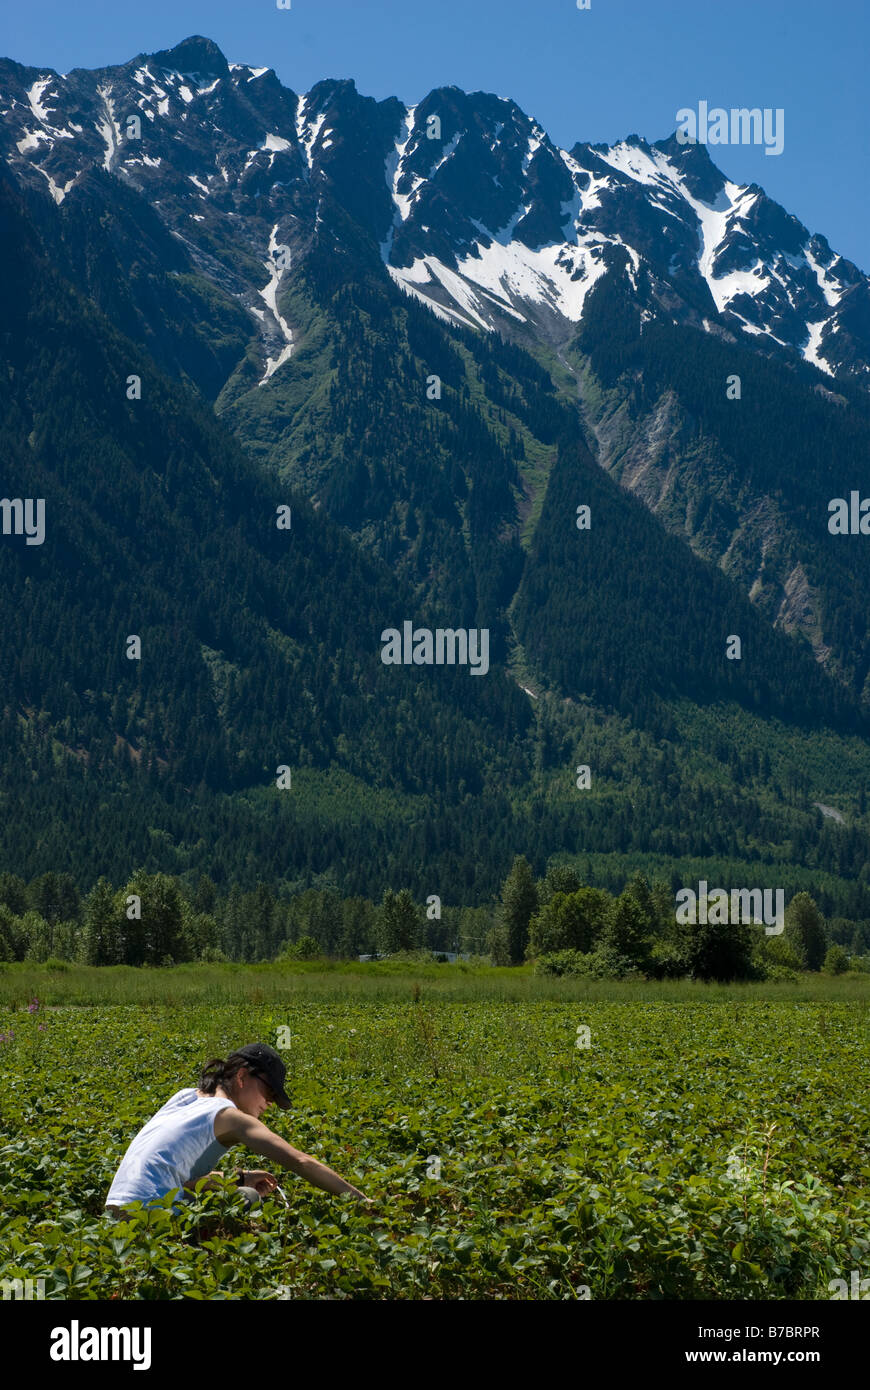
463,219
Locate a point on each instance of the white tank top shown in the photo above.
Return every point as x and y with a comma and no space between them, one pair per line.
176,1146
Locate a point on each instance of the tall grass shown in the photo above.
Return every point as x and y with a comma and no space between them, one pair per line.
218,984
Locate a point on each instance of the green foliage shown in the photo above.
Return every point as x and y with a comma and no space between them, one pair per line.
565,962
399,924
720,950
836,961
805,929
669,959
213,956
498,945
713,1150
608,962
36,936
13,894
630,649
631,935
518,902
101,937
306,948
559,878
475,925
8,934
158,931
775,958
626,935
569,921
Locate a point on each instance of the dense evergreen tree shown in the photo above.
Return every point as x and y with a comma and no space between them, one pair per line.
805,929
627,933
720,950
37,936
152,920
8,934
399,925
101,935
13,894
519,901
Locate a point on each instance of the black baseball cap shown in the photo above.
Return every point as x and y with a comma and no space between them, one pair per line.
264,1062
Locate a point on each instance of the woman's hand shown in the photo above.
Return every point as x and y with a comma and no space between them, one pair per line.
262,1182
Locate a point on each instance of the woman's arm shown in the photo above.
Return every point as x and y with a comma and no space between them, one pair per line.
233,1126
256,1178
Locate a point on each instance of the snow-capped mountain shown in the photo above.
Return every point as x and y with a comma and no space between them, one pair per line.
533,227
469,204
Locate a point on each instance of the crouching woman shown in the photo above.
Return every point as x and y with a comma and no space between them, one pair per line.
194,1129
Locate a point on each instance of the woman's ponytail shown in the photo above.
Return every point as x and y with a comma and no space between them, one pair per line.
213,1075
218,1072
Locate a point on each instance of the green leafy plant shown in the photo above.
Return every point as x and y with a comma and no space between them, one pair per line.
712,1149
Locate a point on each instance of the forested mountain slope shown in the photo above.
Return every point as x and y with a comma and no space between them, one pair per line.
246,257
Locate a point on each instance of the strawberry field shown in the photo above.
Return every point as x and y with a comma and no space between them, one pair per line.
690,1151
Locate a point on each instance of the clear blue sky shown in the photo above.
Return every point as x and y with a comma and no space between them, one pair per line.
623,66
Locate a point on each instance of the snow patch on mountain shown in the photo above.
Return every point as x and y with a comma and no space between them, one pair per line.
536,139
404,202
425,271
108,127
810,349
646,168
307,131
31,140
34,96
558,277
633,267
826,285
716,220
57,193
394,167
244,68
270,296
587,199
554,277
393,174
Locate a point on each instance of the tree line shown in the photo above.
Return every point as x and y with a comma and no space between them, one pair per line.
564,925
